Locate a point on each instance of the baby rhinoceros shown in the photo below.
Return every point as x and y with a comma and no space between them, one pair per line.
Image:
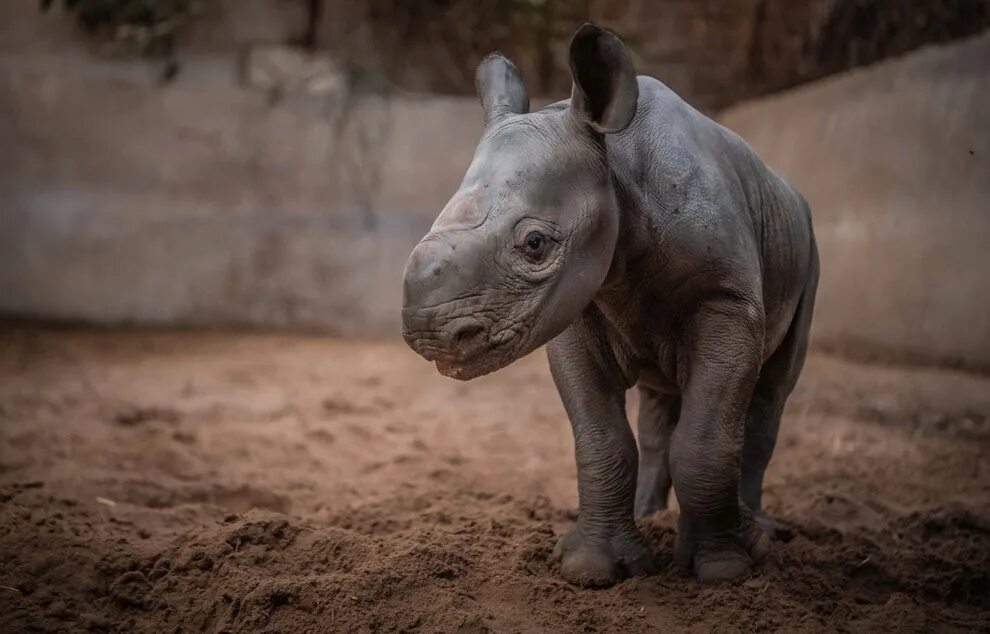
645,245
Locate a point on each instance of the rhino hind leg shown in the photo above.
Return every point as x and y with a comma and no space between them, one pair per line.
777,379
657,418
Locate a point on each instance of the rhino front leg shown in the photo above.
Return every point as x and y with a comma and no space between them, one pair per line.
605,545
722,350
657,418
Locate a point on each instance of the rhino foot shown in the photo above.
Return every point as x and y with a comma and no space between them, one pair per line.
721,558
598,562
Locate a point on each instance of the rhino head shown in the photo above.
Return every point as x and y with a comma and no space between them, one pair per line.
528,238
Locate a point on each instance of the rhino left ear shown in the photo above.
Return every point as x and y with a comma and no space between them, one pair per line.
500,88
605,89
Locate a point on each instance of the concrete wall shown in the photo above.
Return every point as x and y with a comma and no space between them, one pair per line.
205,202
895,161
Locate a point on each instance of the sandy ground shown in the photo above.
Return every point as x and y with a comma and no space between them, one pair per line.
170,482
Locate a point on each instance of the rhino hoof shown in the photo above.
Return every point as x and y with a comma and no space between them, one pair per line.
599,563
723,568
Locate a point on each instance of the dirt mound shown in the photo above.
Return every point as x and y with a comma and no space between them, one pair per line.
155,483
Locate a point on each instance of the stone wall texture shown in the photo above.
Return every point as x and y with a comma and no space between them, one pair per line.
713,52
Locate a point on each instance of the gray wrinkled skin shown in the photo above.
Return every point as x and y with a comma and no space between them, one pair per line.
645,245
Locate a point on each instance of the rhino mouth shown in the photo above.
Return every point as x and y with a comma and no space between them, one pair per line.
479,364
484,357
461,340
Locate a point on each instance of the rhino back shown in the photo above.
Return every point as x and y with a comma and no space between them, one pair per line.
707,202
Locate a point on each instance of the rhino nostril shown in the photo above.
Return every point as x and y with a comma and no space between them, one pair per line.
467,335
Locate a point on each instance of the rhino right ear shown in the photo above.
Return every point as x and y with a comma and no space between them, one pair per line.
500,88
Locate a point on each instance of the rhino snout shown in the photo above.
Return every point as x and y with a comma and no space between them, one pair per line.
436,314
458,339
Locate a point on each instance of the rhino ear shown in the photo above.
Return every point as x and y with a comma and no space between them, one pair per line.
605,89
500,88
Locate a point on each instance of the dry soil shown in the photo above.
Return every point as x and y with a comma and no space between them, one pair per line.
180,482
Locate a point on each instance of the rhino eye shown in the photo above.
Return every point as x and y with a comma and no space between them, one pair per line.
535,245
